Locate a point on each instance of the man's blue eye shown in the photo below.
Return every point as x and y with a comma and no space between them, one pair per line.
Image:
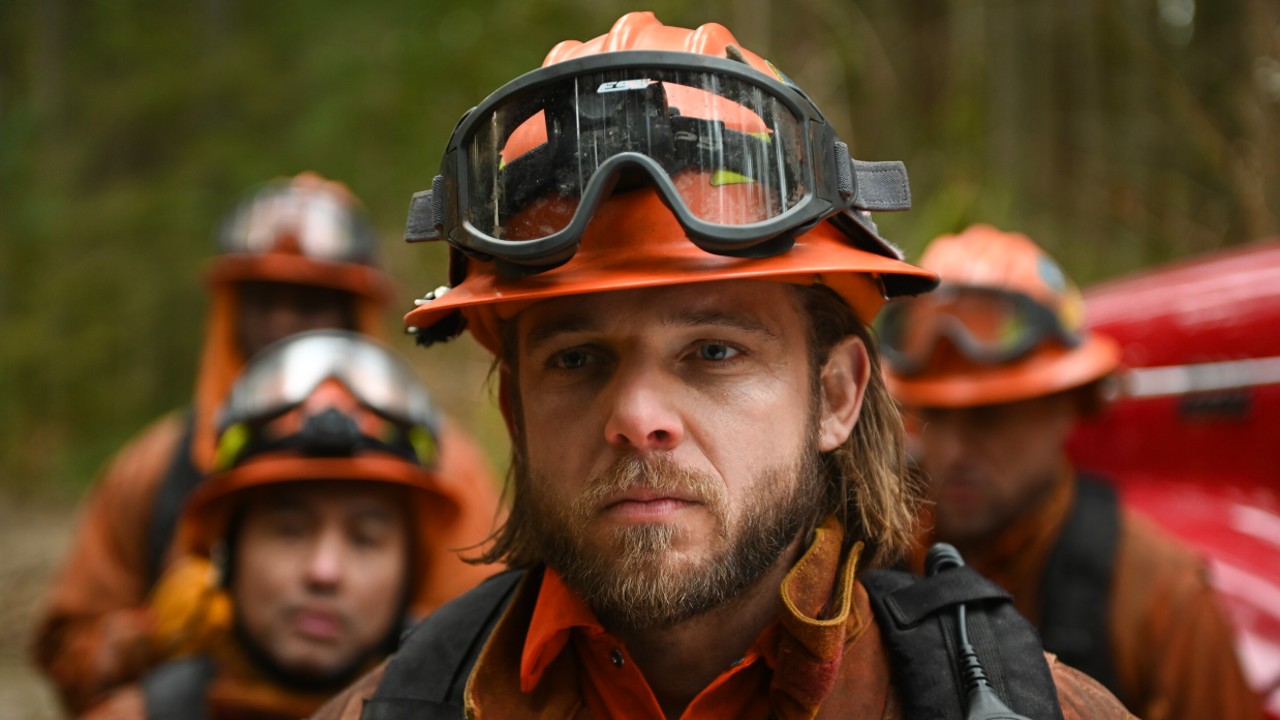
716,352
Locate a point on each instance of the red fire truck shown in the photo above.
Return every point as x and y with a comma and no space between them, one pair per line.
1192,437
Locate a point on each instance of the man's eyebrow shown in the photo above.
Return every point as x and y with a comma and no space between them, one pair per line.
742,321
747,322
379,513
283,502
545,332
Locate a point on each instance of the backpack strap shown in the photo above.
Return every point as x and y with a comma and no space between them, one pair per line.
178,689
916,616
427,676
179,480
1076,588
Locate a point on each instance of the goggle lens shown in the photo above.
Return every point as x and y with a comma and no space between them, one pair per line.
322,226
733,153
986,326
286,374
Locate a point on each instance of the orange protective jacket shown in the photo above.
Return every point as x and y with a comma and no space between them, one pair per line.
860,687
237,691
91,634
1173,651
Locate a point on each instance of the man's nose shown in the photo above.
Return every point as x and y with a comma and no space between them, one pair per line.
326,559
643,408
943,440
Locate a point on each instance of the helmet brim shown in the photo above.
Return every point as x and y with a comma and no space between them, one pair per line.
1047,371
360,280
207,512
634,242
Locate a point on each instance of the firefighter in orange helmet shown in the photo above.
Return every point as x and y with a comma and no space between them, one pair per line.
325,525
295,254
993,369
670,253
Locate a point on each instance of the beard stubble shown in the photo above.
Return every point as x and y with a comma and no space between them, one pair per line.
635,577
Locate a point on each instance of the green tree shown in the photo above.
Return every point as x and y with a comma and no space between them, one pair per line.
1120,133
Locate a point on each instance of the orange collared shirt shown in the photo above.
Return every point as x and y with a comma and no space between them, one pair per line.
612,685
549,657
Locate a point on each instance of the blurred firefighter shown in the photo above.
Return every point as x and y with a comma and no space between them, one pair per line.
325,526
296,254
670,253
992,370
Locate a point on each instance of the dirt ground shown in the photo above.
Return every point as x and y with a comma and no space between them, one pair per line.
33,537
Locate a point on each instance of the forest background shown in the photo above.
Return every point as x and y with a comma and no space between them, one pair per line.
1118,133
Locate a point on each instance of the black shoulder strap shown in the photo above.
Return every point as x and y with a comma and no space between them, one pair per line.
179,480
917,621
427,676
178,689
1077,583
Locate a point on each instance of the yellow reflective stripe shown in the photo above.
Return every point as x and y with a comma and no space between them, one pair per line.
728,177
232,443
424,445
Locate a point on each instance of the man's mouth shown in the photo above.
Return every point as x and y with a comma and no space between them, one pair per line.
318,623
643,504
961,488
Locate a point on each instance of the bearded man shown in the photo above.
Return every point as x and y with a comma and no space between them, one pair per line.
669,253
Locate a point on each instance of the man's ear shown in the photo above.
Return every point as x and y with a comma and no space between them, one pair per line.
844,379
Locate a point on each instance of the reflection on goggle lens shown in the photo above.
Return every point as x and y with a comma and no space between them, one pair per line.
986,326
286,373
322,225
699,131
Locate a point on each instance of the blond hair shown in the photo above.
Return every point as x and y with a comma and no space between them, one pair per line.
868,487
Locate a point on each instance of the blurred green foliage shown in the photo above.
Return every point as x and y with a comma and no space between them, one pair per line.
1119,133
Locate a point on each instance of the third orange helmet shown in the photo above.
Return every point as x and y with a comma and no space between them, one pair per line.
1006,324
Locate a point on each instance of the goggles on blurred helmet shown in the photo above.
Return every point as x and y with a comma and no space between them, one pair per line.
744,162
987,326
287,373
323,225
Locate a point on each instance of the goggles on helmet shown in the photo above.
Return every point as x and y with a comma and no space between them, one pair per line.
987,326
324,225
286,374
745,162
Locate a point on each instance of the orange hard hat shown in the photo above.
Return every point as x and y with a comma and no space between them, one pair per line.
325,406
607,228
1006,324
304,230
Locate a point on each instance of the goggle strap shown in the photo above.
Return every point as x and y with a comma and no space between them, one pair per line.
437,207
861,230
844,171
881,186
426,214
